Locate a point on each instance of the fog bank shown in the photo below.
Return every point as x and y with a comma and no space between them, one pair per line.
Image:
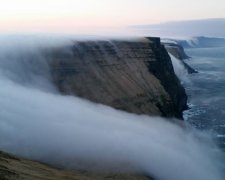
179,69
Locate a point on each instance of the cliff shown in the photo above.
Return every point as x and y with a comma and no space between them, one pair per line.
135,76
177,51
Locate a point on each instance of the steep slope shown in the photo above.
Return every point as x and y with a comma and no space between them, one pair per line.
212,27
136,76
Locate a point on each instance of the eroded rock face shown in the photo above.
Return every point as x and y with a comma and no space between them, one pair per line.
135,76
163,70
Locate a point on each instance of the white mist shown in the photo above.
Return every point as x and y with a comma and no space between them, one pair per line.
74,133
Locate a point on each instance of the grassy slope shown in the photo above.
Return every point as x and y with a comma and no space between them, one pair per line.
14,168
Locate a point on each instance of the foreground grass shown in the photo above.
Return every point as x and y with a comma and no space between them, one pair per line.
14,168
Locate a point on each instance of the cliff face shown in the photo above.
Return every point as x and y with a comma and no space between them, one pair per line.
162,68
135,76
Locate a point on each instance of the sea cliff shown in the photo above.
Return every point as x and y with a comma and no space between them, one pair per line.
178,52
131,75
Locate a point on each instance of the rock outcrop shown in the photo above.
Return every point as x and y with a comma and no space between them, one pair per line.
135,76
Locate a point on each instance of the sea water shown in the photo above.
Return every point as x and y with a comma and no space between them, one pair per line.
206,91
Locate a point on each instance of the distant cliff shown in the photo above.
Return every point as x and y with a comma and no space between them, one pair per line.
177,51
200,42
135,76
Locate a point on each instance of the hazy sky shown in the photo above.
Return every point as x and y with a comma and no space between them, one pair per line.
67,15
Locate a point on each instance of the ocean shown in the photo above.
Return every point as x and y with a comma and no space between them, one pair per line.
206,91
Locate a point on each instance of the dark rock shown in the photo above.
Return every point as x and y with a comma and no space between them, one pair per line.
163,70
190,70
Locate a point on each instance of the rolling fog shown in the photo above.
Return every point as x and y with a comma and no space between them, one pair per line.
39,123
179,70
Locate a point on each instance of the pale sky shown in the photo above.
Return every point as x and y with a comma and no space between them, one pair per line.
70,15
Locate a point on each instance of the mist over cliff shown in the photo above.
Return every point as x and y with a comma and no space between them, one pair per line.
38,122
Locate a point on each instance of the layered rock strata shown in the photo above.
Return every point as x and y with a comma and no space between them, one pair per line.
135,76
